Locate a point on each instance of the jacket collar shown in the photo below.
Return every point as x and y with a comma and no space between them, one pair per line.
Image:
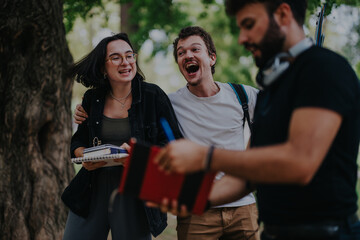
135,89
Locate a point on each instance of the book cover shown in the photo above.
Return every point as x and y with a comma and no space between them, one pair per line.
104,151
104,147
99,147
142,178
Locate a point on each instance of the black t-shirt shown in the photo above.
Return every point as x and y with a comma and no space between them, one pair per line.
317,78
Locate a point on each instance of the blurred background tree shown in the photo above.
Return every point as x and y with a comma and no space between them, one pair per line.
157,27
153,25
154,30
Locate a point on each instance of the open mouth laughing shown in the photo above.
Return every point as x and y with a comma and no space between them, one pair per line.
191,67
125,71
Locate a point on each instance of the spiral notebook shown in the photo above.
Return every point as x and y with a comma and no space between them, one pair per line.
109,158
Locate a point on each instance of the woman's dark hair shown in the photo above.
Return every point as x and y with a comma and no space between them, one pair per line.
89,70
196,31
298,7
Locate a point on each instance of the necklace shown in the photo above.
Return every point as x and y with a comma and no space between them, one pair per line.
120,99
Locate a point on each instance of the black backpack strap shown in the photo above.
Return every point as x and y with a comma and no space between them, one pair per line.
243,100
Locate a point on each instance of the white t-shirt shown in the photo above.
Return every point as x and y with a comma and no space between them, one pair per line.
216,120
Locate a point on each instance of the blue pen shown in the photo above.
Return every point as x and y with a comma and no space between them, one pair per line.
167,129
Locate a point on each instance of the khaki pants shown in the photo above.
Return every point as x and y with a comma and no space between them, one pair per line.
228,223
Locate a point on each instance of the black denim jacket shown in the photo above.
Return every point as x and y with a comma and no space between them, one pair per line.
149,104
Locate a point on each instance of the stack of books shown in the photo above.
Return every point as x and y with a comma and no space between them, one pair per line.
105,152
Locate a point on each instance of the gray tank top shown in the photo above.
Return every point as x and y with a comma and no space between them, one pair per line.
115,130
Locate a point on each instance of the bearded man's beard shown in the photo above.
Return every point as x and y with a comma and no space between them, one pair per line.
271,44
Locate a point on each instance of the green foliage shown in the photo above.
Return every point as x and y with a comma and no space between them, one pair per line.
330,4
314,4
145,15
167,15
75,8
164,15
224,32
170,16
207,2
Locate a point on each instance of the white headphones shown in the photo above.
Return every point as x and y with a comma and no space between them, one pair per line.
276,66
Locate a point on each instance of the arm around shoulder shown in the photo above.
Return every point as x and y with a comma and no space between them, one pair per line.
80,138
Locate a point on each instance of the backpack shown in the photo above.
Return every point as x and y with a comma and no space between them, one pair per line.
243,100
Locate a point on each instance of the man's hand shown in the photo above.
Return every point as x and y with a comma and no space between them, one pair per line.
79,114
228,189
172,207
182,156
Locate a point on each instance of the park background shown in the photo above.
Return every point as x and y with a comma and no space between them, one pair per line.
341,30
40,39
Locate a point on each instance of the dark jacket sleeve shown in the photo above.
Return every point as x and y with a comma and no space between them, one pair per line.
81,136
165,110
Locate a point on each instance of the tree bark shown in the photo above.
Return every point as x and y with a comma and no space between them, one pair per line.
35,119
126,25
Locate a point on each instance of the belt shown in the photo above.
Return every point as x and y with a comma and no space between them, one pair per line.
319,230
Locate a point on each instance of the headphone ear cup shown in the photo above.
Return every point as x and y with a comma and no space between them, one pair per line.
274,74
273,69
260,79
276,66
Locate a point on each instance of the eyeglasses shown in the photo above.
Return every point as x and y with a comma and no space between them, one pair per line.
118,59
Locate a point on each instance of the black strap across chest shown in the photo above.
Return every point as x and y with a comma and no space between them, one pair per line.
243,100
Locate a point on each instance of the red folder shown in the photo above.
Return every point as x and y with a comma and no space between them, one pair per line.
142,178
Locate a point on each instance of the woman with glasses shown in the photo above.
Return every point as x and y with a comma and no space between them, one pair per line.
120,106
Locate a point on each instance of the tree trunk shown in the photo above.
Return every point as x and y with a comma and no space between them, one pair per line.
35,119
126,25
125,22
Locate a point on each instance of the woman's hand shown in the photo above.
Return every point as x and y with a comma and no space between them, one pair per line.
79,152
90,166
126,147
122,160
